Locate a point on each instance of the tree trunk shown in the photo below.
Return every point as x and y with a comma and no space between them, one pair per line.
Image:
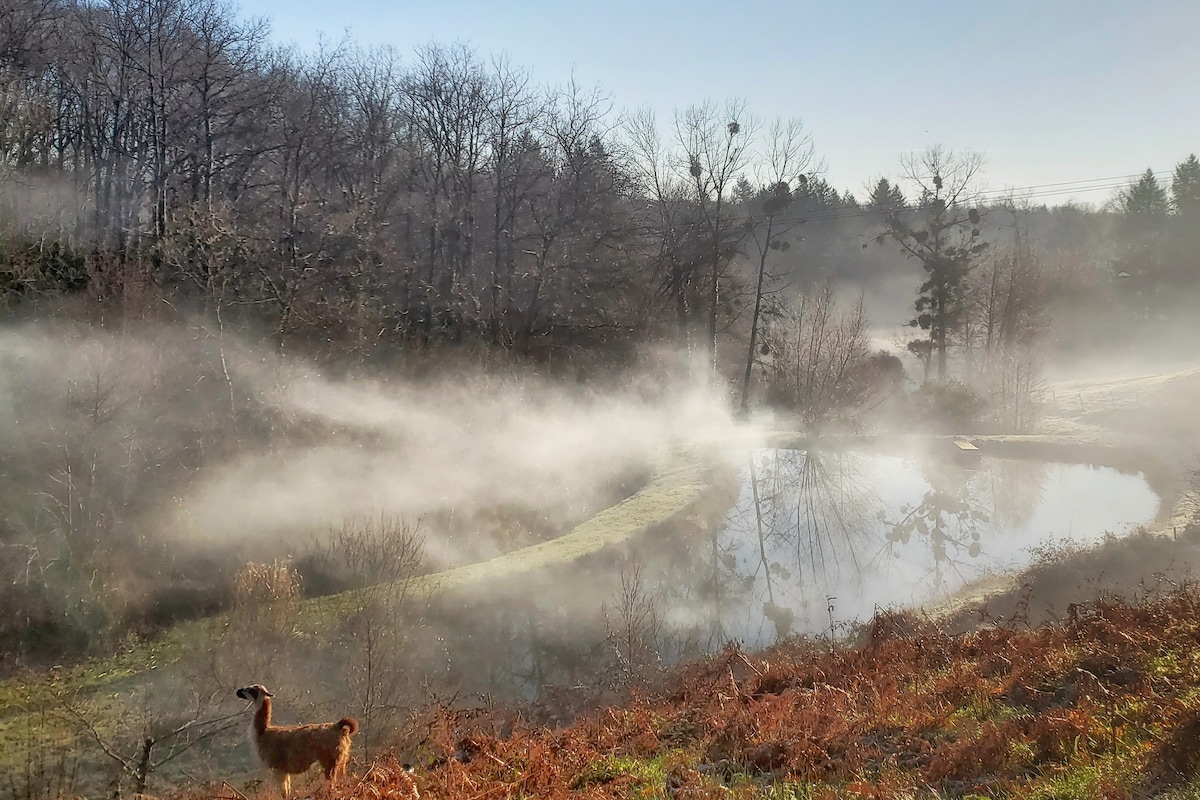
758,292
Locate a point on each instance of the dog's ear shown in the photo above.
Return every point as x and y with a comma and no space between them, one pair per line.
264,691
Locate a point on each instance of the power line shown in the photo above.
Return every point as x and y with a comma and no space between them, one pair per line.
1070,187
1087,180
1034,192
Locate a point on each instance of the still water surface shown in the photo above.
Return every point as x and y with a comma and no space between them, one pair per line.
809,541
856,531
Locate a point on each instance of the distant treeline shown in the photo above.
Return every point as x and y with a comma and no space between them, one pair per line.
348,202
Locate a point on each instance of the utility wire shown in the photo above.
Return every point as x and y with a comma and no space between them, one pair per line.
1035,192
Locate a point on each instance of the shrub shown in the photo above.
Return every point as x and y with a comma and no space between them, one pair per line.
363,552
265,595
948,405
180,602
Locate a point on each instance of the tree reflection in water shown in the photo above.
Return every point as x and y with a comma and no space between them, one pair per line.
858,531
1016,487
810,513
950,518
805,531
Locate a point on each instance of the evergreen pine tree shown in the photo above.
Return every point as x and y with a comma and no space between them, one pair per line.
1185,188
886,198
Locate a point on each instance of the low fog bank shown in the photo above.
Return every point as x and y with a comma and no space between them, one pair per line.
174,437
451,446
1106,350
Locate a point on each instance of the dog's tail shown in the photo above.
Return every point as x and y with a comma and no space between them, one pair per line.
348,726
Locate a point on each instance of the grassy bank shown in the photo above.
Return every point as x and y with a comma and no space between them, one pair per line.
1103,705
73,708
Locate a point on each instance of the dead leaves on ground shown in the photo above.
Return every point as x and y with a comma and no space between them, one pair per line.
1104,702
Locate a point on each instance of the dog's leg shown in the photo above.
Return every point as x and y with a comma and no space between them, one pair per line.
285,782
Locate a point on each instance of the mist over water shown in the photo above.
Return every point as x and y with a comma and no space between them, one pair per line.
805,541
454,446
173,441
200,441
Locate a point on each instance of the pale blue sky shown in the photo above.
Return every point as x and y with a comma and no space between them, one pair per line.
1050,91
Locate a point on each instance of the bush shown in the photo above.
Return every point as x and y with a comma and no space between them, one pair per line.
362,552
265,595
168,605
948,406
50,613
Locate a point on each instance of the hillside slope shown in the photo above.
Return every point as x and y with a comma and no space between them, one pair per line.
1103,705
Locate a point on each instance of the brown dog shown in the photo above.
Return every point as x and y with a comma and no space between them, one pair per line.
289,750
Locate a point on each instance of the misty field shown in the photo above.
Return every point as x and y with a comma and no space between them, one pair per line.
573,450
81,727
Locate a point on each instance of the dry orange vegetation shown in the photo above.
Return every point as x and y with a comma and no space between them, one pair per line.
1100,704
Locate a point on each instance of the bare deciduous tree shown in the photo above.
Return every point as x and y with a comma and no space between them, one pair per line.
671,224
1006,320
788,157
818,356
716,143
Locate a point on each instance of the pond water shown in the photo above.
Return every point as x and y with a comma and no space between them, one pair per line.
809,541
822,538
